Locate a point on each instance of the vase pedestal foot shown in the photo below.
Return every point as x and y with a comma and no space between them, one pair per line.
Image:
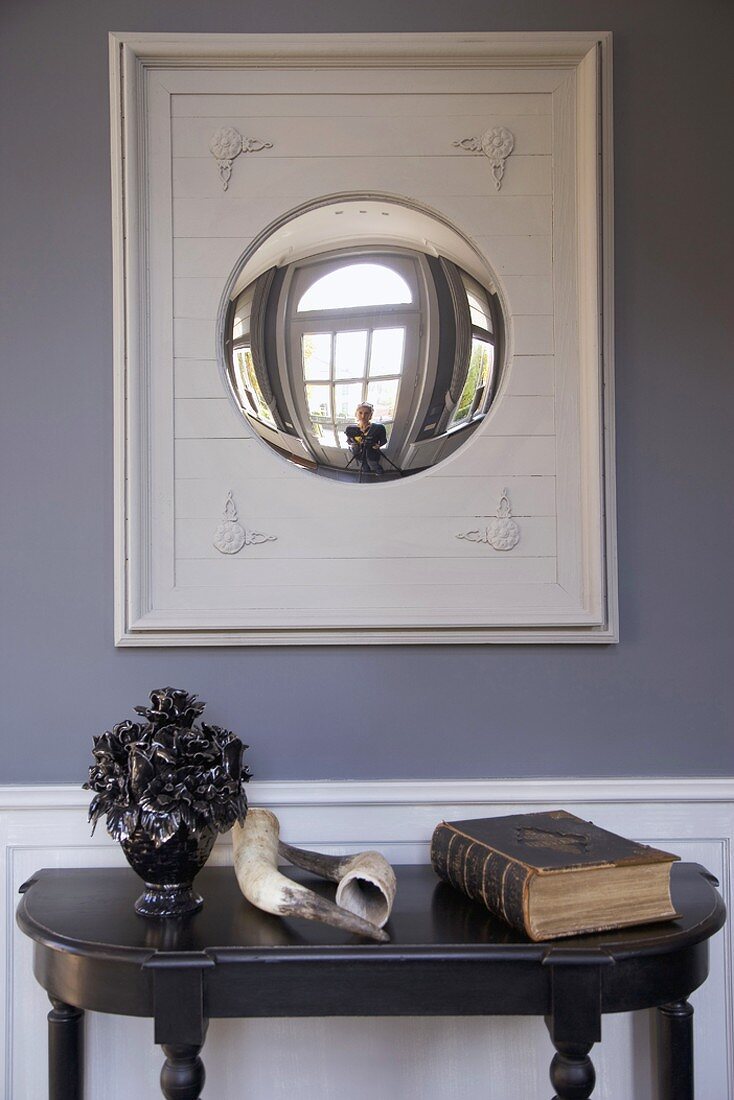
178,900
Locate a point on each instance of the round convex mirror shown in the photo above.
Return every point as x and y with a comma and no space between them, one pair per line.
362,339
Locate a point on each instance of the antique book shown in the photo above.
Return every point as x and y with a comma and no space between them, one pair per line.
553,874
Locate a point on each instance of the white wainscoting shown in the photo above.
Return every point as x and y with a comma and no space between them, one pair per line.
414,1059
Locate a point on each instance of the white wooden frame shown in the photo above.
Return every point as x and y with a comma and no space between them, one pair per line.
581,606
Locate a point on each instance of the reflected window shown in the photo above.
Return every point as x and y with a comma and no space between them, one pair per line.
350,320
480,368
363,365
479,382
356,285
248,386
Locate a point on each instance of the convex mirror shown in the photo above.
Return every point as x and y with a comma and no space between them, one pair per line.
362,338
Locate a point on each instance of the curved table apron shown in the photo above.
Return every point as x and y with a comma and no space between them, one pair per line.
448,957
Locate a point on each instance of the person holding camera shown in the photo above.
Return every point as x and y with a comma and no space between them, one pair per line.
365,439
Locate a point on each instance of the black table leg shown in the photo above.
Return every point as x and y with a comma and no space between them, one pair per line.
575,1019
179,1022
65,1052
183,1075
675,1051
572,1071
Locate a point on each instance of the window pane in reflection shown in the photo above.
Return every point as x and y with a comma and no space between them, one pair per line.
383,395
316,350
248,386
472,395
350,354
319,401
325,436
478,312
354,285
386,353
346,398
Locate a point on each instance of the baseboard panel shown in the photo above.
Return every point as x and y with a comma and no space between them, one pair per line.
436,1059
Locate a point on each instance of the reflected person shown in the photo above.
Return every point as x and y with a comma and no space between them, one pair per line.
365,439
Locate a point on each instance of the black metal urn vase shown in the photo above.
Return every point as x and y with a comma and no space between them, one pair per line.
167,787
168,871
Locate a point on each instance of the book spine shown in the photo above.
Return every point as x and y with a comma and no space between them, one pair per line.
481,873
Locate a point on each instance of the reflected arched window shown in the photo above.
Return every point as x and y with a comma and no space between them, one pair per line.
356,285
354,325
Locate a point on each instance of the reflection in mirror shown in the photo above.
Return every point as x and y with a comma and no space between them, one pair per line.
363,340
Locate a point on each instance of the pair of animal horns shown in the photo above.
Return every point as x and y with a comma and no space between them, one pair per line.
366,881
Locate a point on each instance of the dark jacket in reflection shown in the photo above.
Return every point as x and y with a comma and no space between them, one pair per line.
365,445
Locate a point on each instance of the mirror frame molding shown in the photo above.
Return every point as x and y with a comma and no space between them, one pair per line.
137,62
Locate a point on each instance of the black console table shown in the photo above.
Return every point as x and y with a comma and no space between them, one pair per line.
447,957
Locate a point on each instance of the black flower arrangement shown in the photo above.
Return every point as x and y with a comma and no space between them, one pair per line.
167,787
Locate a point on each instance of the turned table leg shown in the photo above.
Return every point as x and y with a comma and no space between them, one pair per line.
180,1022
65,1052
675,1051
572,1071
574,1023
183,1075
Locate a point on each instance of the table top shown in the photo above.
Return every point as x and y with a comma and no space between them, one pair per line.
447,955
90,911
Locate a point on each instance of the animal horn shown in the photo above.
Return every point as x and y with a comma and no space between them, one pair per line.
255,847
366,880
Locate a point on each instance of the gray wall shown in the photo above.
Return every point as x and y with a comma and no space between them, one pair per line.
659,703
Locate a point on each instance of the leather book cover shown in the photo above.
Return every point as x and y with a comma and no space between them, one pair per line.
556,841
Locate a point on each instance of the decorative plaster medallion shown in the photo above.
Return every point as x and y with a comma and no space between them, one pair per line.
227,144
496,144
501,533
230,536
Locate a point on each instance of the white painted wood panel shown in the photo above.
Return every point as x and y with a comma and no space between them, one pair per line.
351,79
476,496
525,415
533,335
387,537
252,572
208,418
375,132
194,257
530,374
393,106
419,1059
197,298
510,254
290,177
315,607
194,337
529,294
197,378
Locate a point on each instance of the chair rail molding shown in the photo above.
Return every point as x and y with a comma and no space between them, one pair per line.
430,1059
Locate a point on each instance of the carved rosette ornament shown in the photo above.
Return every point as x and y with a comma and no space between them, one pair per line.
496,144
502,532
230,536
227,144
